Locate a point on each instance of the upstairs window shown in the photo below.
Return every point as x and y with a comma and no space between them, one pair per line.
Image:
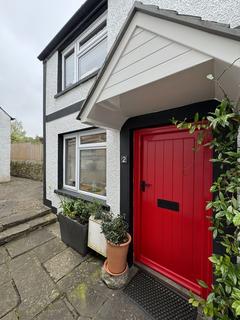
69,69
92,55
84,57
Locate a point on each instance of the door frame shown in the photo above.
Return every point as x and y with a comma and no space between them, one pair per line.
206,268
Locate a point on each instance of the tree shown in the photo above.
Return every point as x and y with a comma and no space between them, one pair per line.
18,134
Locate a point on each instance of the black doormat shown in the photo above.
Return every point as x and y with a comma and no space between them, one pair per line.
158,300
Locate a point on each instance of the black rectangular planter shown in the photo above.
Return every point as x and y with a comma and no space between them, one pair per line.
74,234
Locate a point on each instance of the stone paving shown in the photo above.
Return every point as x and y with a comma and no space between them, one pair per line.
20,196
43,279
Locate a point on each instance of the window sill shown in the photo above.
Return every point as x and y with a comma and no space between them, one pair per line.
77,195
85,79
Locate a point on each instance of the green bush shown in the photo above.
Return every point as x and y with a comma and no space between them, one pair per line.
96,210
78,210
115,228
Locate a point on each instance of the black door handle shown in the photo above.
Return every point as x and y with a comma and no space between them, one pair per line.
143,185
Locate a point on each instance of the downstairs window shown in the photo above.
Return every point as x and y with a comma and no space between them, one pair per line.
85,162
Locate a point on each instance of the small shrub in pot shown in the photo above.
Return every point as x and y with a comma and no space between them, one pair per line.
74,224
118,239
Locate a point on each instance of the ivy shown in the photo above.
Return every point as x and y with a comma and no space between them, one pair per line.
224,300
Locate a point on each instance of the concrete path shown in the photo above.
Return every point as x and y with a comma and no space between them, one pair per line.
43,279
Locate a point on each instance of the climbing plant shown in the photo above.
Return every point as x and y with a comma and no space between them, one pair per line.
224,300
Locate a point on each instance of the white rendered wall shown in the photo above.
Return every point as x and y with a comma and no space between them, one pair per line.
224,11
5,145
75,95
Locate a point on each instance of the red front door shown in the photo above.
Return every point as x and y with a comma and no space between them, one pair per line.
171,188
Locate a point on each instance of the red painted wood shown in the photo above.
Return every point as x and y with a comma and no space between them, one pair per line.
176,244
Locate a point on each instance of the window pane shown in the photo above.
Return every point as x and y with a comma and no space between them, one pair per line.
70,162
93,138
69,70
93,59
93,171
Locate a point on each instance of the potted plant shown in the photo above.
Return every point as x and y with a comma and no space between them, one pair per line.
118,239
74,224
96,239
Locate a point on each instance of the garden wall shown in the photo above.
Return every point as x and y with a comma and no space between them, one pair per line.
27,169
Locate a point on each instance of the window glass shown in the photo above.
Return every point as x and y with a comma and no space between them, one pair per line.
70,162
93,138
69,69
93,59
93,171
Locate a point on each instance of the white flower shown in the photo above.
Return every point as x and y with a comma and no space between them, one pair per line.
210,76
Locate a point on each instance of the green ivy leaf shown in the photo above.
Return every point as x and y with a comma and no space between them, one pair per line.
202,284
236,219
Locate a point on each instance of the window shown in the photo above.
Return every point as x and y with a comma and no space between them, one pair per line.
85,162
92,58
84,57
70,160
69,69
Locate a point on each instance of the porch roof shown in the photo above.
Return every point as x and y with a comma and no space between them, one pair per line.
160,60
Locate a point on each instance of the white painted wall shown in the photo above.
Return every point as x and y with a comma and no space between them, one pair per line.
5,146
226,11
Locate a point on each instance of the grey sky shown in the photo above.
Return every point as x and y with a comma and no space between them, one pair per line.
26,27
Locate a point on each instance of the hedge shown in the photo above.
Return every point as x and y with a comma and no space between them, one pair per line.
27,169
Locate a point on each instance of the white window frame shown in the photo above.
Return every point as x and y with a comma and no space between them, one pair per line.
79,146
65,54
79,51
88,46
69,136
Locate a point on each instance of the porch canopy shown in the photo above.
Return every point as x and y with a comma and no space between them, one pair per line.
159,61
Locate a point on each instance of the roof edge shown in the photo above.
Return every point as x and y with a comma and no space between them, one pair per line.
195,22
11,118
77,20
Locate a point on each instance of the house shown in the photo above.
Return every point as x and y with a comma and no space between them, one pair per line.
114,76
5,145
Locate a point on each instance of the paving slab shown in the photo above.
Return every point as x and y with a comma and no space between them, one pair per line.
20,196
11,316
63,263
48,250
34,285
55,229
56,311
9,298
86,300
4,257
89,272
16,219
120,308
28,242
4,274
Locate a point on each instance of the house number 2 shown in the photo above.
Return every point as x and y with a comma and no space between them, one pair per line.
124,159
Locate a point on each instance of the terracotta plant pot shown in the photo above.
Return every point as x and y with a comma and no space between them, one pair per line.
117,256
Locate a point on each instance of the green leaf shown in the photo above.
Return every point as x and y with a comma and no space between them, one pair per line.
196,117
236,219
202,284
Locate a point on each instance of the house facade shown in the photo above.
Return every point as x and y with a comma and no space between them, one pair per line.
5,145
114,77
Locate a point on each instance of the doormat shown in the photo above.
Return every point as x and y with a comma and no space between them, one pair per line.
158,300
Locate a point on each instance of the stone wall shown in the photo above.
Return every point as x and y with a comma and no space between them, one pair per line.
27,169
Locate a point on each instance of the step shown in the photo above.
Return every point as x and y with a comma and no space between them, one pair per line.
26,227
17,219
